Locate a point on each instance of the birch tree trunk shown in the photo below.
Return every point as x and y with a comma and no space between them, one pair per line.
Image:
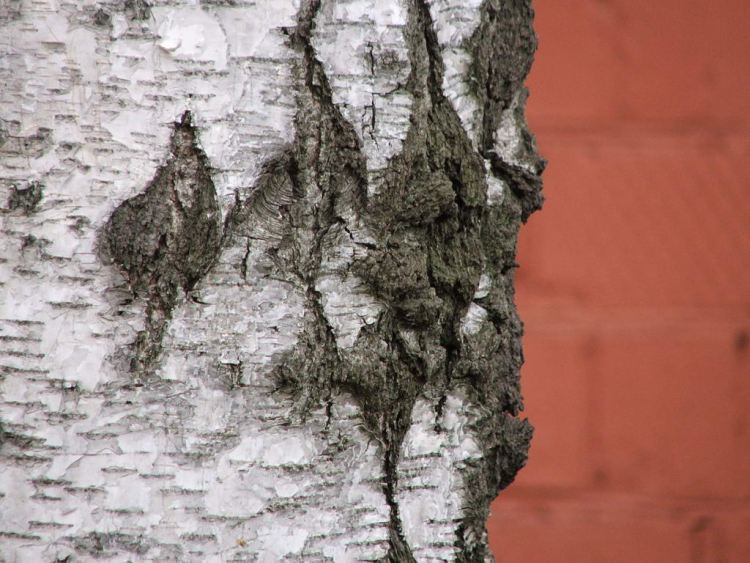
256,277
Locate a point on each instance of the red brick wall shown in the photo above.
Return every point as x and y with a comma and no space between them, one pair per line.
635,288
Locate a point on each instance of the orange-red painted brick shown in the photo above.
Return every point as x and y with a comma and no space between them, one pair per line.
635,289
674,62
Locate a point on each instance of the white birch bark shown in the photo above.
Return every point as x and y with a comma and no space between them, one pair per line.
217,398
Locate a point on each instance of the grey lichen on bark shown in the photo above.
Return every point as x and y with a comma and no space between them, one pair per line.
399,330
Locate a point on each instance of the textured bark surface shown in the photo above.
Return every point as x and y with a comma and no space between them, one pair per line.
257,277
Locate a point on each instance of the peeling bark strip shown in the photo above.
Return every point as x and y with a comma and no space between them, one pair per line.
328,373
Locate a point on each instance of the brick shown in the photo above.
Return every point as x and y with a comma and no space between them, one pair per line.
635,289
635,222
673,416
586,530
537,525
573,75
652,403
682,62
555,386
736,542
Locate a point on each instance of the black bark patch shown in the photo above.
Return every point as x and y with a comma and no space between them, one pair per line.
29,146
137,9
166,238
399,275
270,214
526,185
10,10
26,199
502,48
102,18
101,544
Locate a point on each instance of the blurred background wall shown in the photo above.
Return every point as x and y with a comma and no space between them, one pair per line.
634,287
